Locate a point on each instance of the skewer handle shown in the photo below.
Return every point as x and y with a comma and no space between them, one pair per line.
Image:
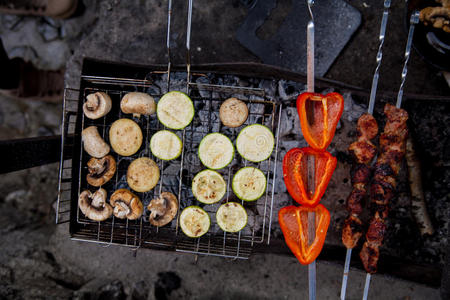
188,40
310,49
348,257
376,75
310,56
412,22
366,286
312,280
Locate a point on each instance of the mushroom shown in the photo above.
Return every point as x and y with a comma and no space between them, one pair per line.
101,170
94,206
233,112
94,145
126,205
138,104
97,105
163,209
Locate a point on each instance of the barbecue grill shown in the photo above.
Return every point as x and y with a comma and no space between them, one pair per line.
176,176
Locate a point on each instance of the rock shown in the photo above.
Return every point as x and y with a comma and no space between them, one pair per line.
48,31
11,22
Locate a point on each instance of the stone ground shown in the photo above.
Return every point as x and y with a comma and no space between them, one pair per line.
38,260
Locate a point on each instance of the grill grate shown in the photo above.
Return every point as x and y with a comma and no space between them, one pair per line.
176,175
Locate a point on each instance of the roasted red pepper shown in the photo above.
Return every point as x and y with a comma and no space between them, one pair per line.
327,110
295,168
294,224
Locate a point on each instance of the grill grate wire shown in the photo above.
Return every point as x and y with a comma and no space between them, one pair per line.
175,175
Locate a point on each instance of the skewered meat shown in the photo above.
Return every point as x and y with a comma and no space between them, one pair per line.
352,231
363,152
393,147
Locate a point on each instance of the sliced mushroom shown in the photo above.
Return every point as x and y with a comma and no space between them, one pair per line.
94,206
163,209
138,104
97,105
126,205
101,170
93,143
233,112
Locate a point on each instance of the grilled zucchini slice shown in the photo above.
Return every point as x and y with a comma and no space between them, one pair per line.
194,221
208,186
231,217
255,142
166,145
249,184
175,110
215,151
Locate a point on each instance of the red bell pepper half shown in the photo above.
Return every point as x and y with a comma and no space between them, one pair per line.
319,131
294,224
295,164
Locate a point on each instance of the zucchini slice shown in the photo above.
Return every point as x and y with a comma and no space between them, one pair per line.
215,151
175,110
249,184
231,217
194,221
255,142
166,145
208,186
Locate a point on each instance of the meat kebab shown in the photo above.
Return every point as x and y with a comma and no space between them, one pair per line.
387,166
363,151
392,150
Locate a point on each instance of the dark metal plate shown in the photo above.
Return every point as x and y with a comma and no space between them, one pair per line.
335,22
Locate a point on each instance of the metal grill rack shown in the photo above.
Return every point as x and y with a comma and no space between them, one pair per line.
176,175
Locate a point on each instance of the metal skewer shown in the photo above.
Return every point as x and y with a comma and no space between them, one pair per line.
311,162
188,43
412,22
376,75
169,59
373,93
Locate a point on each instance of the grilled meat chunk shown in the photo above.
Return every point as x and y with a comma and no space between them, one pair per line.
369,256
354,201
376,230
367,127
395,115
360,173
351,231
363,151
